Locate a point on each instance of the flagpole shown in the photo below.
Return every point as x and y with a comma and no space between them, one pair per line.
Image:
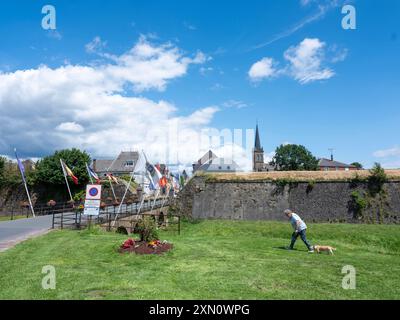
29,199
66,180
155,199
112,189
126,191
25,184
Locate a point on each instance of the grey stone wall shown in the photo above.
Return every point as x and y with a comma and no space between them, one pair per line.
317,202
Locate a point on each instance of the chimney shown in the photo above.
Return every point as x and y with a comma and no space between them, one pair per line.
94,165
331,150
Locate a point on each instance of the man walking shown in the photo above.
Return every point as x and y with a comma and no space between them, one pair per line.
299,230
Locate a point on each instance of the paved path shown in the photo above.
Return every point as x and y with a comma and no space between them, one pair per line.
15,231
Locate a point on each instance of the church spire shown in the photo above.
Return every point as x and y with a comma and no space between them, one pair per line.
257,144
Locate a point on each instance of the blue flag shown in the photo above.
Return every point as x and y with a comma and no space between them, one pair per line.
21,167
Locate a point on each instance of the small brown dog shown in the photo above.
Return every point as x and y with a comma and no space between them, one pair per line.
328,249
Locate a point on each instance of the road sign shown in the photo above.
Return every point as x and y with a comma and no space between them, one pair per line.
93,200
93,192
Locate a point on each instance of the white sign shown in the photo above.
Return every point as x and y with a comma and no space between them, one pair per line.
93,192
91,211
93,200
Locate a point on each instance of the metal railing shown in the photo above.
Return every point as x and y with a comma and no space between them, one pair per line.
40,209
76,219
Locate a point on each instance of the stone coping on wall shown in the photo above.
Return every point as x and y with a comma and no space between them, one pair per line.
295,176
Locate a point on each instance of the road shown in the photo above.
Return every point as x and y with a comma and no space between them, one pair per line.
15,231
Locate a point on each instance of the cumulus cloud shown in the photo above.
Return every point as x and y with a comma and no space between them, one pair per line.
262,69
305,63
93,108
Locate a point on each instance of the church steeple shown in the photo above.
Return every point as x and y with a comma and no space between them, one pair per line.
257,144
258,153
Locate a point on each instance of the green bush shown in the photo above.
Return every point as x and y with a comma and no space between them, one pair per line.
376,180
147,229
358,204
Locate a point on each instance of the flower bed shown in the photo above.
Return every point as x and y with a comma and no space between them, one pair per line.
144,247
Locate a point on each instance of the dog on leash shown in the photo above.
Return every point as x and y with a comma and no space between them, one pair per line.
328,249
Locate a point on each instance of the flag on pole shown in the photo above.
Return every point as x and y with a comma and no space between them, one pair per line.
67,171
20,167
154,174
92,174
22,171
163,181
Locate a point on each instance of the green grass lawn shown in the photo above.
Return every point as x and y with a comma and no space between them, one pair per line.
210,260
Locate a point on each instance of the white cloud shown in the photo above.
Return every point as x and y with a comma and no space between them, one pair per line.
306,62
392,152
90,107
96,45
322,8
204,70
262,69
234,104
390,158
71,127
147,66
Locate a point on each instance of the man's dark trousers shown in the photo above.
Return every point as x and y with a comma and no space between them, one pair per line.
303,237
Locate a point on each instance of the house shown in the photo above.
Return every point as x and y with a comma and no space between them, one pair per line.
332,165
258,156
122,165
211,163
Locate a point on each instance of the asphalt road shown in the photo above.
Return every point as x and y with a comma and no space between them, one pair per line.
15,231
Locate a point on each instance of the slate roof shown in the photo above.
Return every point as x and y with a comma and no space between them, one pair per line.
211,163
333,164
120,165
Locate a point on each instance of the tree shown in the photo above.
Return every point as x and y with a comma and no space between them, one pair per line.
292,157
48,170
358,165
376,179
2,169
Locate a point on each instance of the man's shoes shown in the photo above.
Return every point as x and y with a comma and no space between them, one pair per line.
311,250
288,248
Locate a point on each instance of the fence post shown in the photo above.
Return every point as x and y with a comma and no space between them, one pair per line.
52,224
62,219
179,225
12,213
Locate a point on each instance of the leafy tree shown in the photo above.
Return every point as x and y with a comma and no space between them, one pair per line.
292,157
377,179
48,170
2,169
358,165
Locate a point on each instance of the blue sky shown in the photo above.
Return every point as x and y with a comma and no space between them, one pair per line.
288,64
